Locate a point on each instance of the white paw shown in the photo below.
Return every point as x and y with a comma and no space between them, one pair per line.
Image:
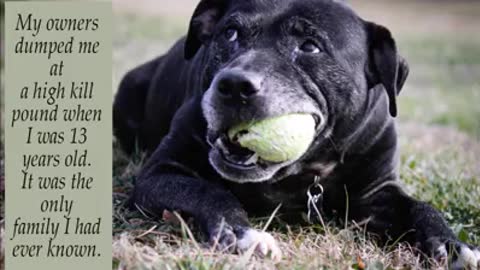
264,243
467,258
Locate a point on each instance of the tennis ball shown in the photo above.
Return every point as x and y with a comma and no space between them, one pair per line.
276,139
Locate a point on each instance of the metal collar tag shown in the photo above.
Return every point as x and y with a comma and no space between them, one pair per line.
312,200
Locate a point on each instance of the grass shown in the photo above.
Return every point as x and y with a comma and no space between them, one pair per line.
444,176
439,140
443,87
443,179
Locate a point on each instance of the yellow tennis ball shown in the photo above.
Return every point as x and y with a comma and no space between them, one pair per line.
276,139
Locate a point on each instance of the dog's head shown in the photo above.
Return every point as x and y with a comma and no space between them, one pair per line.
266,58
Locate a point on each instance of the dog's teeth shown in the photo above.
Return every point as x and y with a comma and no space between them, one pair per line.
252,160
223,146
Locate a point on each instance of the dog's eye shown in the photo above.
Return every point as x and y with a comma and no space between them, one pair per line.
231,34
309,47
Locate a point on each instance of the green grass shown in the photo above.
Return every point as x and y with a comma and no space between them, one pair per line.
442,175
450,108
440,181
439,142
444,85
442,50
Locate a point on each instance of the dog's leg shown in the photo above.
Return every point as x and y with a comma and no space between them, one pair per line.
178,177
435,237
129,104
218,212
394,214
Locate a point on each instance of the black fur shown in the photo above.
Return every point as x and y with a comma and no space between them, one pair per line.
353,83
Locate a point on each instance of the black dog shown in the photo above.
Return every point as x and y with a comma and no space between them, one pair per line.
255,59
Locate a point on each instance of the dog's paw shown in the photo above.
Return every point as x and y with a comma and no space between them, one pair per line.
467,257
463,256
263,242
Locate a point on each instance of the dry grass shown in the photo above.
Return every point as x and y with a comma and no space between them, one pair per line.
439,141
142,243
303,248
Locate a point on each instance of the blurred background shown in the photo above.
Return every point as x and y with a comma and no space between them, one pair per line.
440,39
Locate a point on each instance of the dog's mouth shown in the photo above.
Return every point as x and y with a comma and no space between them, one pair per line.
236,155
242,158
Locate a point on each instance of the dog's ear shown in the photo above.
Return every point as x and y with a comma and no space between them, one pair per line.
385,65
203,22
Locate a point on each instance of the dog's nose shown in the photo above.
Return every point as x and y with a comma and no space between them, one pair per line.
237,85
